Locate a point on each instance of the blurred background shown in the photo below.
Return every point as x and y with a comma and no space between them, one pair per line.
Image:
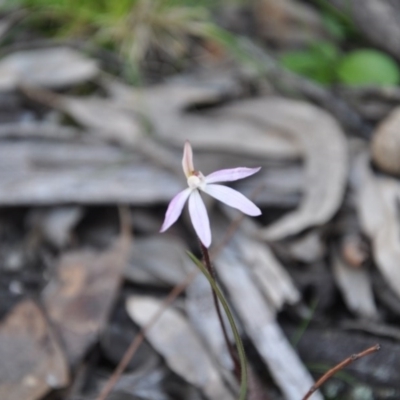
97,98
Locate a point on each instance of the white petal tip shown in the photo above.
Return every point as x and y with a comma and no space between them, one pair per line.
206,243
165,226
252,211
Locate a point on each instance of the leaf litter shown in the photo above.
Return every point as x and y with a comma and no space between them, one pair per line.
169,336
377,206
121,147
242,285
356,287
325,150
79,298
36,363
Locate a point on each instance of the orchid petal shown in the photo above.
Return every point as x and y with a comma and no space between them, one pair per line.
232,198
232,174
199,217
187,160
175,208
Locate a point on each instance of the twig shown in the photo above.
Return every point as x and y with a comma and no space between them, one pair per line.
338,367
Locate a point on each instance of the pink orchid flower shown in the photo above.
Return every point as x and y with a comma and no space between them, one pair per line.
197,181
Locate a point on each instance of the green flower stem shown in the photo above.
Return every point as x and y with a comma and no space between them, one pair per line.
238,340
231,349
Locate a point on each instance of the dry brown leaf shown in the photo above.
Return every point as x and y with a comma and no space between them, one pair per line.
385,145
32,363
54,68
325,156
80,296
355,285
377,207
174,338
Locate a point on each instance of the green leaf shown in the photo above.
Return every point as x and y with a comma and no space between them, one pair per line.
238,340
368,67
327,51
316,63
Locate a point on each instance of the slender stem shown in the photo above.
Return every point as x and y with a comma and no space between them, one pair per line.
211,271
238,340
338,367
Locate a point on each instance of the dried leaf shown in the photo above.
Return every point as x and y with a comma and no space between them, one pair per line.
47,172
54,68
385,145
32,361
79,297
177,342
158,260
356,288
267,272
377,207
271,277
325,151
106,118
